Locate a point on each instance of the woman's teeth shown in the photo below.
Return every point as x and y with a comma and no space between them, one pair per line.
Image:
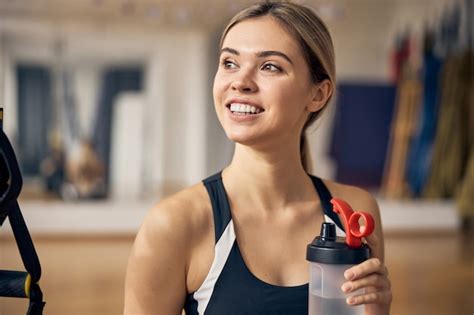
244,109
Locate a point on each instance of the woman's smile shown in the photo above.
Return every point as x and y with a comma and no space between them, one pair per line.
243,110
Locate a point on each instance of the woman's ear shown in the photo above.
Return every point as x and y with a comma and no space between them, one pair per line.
322,91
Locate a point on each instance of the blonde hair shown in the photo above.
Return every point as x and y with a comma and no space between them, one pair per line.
315,42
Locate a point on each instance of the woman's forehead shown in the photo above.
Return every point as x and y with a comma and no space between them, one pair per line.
260,34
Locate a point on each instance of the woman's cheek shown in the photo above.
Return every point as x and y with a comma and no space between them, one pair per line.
218,99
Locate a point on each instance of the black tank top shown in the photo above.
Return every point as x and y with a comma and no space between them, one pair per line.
230,287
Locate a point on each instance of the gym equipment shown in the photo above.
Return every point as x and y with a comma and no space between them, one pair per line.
19,284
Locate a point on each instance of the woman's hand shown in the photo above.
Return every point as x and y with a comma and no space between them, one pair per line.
371,275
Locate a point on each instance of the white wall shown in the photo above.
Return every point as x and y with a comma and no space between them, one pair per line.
177,76
126,147
363,32
359,33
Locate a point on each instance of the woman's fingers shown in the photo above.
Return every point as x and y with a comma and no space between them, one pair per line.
371,275
374,280
370,266
379,297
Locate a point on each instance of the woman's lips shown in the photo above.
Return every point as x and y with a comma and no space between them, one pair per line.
242,112
245,108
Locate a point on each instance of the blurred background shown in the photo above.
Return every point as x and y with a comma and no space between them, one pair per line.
108,104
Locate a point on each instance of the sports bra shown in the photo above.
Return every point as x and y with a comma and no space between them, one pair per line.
230,287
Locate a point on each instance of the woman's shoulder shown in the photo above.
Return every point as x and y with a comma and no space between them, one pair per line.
183,213
359,199
167,240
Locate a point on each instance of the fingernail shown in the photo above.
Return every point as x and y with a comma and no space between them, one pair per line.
346,287
350,300
349,275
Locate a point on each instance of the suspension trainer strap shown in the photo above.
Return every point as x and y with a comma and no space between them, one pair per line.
15,283
29,258
24,242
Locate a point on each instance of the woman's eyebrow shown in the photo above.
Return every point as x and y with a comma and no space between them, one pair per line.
261,54
230,50
274,53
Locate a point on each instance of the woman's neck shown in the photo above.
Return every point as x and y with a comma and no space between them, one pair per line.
267,179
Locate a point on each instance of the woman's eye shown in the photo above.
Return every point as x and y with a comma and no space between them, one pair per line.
271,67
227,64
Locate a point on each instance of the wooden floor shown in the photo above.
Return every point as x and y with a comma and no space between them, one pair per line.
431,274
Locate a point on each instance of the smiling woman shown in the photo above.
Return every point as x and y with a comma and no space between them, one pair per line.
267,71
236,243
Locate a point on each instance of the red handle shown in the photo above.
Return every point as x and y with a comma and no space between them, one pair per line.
350,219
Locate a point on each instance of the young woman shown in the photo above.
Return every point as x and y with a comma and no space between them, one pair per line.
236,243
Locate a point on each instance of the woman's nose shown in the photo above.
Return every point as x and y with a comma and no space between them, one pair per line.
244,82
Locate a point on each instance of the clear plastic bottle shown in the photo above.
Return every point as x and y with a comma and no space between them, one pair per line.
330,256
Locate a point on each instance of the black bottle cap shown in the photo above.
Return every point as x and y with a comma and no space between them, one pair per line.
329,249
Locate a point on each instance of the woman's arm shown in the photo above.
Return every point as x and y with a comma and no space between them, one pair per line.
156,281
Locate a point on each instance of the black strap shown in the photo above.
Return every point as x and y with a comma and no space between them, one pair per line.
325,197
28,256
220,203
11,184
36,300
24,242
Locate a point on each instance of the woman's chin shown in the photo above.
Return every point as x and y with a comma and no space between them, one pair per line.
243,138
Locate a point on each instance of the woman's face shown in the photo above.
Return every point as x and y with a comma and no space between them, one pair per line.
262,88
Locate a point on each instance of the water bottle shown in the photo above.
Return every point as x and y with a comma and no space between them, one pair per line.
330,256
